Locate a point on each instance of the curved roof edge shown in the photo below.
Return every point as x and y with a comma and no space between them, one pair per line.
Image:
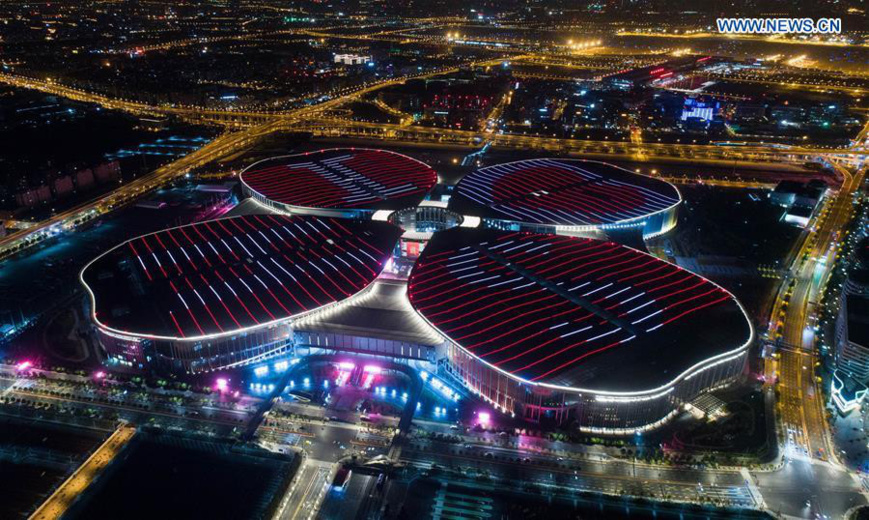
133,336
336,209
585,226
638,395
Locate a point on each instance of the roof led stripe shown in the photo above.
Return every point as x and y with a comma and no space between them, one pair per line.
345,178
486,316
567,193
388,171
626,204
544,327
261,275
583,197
603,202
521,182
664,198
541,214
575,206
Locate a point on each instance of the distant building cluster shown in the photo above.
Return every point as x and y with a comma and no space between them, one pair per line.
352,59
654,75
462,101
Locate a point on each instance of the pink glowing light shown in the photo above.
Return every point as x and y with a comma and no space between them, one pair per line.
222,384
24,365
346,365
100,375
372,369
484,417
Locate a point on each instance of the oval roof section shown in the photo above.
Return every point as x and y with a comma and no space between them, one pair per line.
573,312
229,275
562,192
342,178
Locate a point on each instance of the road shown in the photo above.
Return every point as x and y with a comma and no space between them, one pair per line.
615,477
66,399
309,489
802,489
257,124
357,500
335,127
801,402
65,495
218,148
330,437
325,442
811,455
828,489
812,471
328,442
325,445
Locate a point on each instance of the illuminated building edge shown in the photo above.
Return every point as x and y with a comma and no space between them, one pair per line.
596,411
217,352
651,225
204,353
290,209
838,394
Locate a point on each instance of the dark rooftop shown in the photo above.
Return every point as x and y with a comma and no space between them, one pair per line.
572,311
858,319
220,276
561,192
801,211
342,178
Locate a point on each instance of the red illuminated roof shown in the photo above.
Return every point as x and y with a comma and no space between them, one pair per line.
570,311
342,178
562,192
222,276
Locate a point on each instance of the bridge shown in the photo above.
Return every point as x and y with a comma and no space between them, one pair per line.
331,127
65,496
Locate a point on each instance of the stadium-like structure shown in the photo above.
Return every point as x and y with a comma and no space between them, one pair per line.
574,326
567,197
343,182
531,304
225,292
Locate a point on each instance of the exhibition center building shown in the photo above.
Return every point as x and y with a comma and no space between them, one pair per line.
509,283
